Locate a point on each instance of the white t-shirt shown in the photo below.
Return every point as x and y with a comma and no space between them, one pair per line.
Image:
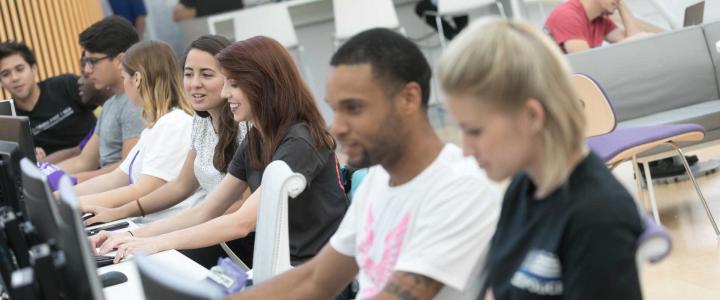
439,225
161,151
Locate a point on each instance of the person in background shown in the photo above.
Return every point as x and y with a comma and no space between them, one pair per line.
578,25
58,117
132,10
568,229
188,9
120,124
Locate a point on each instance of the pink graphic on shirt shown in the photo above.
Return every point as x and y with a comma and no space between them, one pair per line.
379,271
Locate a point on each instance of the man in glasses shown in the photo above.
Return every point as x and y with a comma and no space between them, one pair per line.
120,124
58,117
88,95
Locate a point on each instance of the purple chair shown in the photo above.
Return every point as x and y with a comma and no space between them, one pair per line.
618,145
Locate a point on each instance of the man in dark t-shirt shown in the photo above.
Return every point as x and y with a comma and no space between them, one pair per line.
58,116
188,9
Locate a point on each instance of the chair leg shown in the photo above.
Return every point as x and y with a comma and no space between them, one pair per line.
501,9
641,196
651,192
697,187
304,68
438,23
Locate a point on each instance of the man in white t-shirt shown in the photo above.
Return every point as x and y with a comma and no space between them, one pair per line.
421,221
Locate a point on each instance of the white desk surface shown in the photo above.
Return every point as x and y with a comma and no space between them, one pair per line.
132,289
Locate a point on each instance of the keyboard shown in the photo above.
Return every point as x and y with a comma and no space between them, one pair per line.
102,261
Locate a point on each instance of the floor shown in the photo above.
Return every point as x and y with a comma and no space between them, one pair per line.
692,271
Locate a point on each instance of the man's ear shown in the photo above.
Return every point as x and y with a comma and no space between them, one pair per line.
409,99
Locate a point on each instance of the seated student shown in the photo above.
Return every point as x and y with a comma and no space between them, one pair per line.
188,9
151,77
90,95
578,25
568,228
59,119
215,137
120,123
264,87
421,221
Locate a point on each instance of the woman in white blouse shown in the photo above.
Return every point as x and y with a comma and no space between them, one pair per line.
151,77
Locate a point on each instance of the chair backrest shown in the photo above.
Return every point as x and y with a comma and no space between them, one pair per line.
599,112
355,16
272,245
271,20
159,283
451,7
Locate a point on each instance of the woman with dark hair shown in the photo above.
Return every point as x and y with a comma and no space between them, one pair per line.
263,87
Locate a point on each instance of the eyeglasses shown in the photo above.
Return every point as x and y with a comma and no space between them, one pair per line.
92,61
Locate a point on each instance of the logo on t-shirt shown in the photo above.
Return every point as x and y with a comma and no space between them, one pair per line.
539,274
54,120
379,265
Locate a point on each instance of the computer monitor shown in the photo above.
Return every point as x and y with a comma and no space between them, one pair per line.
17,129
80,268
10,183
7,107
39,202
694,14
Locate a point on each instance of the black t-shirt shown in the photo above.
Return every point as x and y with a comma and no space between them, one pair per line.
209,7
59,120
577,243
316,213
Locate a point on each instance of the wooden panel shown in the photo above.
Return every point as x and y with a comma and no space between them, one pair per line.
45,45
5,14
15,22
34,35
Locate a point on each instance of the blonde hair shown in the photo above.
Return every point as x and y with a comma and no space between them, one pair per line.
160,79
506,63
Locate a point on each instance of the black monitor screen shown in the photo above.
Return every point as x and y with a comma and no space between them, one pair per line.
80,266
39,202
10,184
17,129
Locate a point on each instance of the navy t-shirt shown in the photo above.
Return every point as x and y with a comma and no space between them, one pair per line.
316,213
59,119
577,243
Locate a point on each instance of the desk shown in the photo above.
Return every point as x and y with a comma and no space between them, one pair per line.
132,289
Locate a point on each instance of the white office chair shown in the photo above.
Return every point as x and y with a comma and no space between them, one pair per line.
271,20
272,246
355,16
460,7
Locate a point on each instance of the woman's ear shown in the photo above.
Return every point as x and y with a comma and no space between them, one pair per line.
136,79
534,115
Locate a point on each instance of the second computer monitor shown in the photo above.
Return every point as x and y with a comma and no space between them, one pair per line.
17,129
41,207
80,266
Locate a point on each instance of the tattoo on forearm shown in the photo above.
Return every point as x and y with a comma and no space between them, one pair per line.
410,286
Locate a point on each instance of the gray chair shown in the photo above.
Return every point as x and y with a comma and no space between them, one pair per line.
160,284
